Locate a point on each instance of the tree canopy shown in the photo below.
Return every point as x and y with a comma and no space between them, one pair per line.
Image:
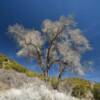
58,42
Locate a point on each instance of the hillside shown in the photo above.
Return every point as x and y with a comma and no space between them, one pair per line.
14,75
16,83
9,64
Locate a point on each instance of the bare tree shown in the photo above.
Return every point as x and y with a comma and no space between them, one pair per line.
59,42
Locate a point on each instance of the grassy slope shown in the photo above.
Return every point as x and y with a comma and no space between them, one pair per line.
10,64
81,84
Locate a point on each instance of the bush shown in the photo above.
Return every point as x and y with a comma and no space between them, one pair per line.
18,67
54,82
7,66
96,91
76,86
31,74
79,91
2,59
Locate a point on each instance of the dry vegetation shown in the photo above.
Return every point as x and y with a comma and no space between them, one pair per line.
80,86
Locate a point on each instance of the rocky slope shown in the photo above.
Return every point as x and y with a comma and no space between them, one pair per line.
17,86
18,83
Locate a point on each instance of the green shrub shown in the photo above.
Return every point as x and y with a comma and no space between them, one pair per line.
80,87
79,91
18,67
54,82
96,91
7,66
2,59
31,74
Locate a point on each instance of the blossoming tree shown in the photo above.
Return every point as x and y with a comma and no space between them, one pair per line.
58,42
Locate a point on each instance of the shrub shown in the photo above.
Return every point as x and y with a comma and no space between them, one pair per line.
18,67
54,82
7,65
2,59
31,74
79,91
96,91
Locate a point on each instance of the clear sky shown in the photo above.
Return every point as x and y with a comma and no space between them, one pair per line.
31,13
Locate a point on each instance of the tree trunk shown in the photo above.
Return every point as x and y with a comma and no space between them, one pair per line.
61,73
60,76
46,73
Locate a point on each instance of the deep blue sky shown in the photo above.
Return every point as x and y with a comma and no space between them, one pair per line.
31,13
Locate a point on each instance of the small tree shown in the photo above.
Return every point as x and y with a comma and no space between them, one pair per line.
59,42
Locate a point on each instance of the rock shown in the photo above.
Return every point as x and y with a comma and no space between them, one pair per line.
18,86
3,86
13,79
34,91
66,87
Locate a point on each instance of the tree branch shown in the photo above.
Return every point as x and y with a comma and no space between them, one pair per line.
59,62
37,50
51,44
